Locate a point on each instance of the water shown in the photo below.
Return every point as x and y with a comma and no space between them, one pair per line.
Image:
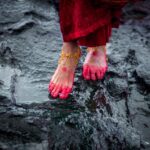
108,114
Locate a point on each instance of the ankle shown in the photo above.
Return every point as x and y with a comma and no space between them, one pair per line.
98,49
70,57
70,47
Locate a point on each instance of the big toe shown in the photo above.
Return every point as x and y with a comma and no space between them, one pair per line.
86,73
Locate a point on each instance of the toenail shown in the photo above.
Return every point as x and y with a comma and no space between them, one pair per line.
87,77
55,94
63,96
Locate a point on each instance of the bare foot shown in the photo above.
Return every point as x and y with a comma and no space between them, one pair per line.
63,78
95,64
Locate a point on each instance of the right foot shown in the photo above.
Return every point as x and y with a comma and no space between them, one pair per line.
95,64
62,80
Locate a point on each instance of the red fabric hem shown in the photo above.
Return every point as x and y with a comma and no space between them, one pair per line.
98,38
100,23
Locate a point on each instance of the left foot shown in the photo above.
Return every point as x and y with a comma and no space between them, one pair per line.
95,64
62,80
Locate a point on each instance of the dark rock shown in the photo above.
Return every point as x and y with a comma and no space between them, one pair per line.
117,87
109,114
143,72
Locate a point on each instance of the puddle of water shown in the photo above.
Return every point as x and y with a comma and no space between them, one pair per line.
22,89
6,73
28,92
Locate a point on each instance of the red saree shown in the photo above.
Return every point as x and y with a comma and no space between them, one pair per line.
89,22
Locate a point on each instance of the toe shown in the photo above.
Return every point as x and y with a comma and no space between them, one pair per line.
103,71
98,74
65,93
106,68
92,73
54,91
86,74
68,90
93,77
63,96
51,86
85,70
57,91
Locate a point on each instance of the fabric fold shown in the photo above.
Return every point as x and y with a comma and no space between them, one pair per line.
80,19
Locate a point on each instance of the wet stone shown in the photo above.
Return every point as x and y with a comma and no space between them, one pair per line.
113,113
143,72
117,87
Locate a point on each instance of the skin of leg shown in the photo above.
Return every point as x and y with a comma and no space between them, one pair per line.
62,80
95,64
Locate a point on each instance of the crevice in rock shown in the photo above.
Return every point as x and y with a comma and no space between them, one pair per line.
22,28
36,15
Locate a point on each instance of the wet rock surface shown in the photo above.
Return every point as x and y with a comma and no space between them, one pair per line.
110,114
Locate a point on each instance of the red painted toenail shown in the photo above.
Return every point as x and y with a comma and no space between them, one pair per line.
64,69
63,96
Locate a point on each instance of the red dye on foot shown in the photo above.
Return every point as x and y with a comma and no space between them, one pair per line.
64,69
95,65
95,53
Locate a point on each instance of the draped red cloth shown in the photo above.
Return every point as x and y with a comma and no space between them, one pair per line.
89,21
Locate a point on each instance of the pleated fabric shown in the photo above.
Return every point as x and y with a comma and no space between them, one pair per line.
89,22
